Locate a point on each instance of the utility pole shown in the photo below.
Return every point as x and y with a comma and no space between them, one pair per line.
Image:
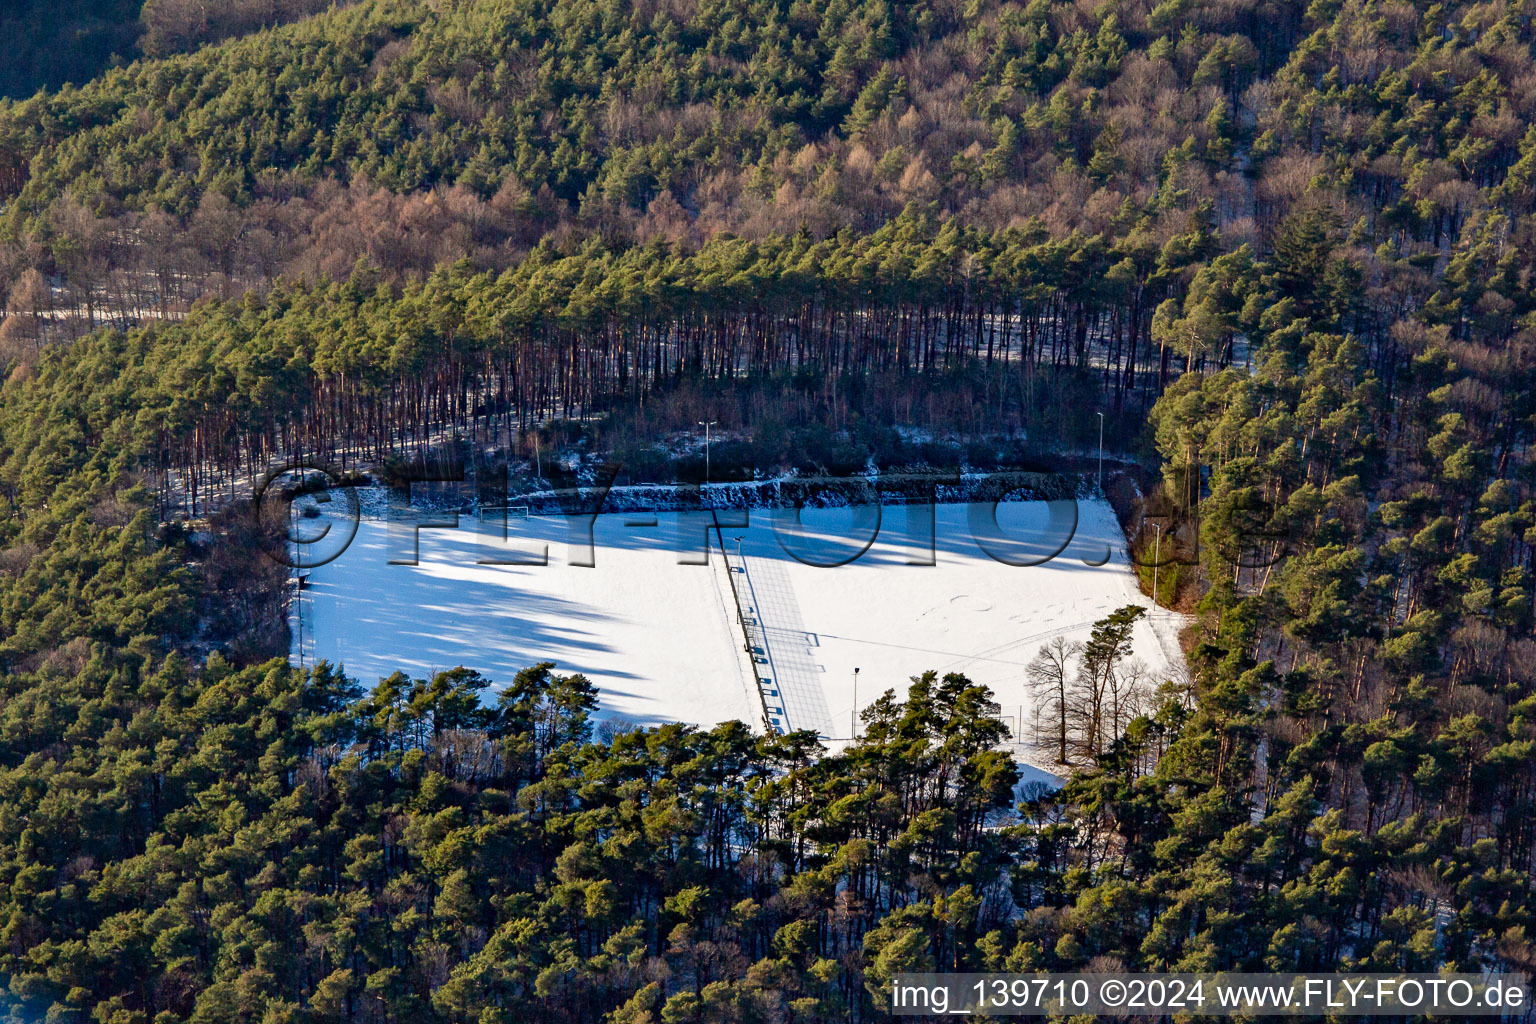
853,716
1157,556
1101,453
706,427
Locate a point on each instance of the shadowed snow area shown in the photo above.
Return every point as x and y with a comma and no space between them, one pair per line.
659,636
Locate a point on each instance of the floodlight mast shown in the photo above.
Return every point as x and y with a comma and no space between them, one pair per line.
853,715
1101,452
706,426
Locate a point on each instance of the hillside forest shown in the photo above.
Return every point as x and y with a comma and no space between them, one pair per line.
1286,250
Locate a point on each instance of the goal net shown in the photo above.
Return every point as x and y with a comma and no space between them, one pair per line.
503,511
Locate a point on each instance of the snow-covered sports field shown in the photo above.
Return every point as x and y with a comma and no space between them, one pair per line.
660,637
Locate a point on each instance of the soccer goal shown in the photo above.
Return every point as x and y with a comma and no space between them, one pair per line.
504,512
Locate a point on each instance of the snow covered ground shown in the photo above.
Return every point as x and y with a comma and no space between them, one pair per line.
660,638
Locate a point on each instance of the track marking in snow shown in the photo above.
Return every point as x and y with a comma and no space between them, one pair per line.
924,650
986,654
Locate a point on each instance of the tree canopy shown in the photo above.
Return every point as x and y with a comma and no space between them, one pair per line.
1287,250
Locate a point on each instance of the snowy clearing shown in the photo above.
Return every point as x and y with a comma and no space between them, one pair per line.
660,637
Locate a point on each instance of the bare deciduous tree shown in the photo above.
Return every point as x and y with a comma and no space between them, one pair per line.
1049,674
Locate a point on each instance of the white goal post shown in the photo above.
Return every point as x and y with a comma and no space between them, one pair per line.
505,511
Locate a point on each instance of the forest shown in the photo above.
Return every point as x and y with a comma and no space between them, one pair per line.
1286,249
62,42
